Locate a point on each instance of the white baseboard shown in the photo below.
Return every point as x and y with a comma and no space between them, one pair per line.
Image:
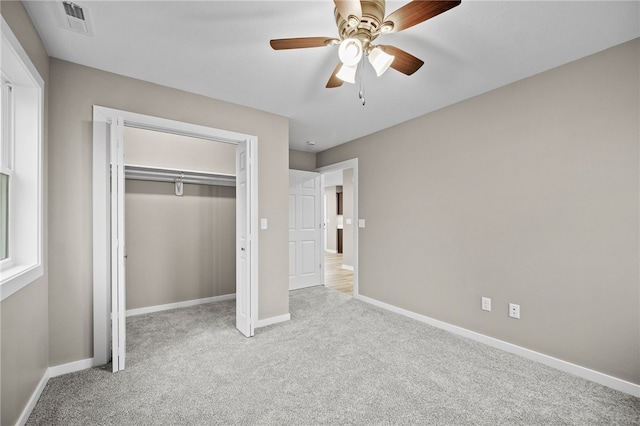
331,251
185,304
35,396
71,367
568,367
273,320
49,373
347,267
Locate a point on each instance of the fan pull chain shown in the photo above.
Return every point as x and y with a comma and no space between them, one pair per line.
361,93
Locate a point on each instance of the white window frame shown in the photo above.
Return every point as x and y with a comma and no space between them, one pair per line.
25,164
6,142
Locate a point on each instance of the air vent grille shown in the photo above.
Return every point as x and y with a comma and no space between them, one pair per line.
73,10
74,17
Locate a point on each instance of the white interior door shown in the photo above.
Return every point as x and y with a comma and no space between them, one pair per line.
118,324
243,241
305,227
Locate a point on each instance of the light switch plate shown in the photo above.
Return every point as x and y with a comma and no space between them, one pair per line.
486,304
263,223
361,223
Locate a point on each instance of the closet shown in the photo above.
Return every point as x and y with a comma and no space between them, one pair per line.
180,215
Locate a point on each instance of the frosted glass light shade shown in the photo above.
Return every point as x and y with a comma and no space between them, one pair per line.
347,73
350,51
380,60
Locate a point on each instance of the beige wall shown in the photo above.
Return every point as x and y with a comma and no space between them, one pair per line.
24,324
164,150
332,208
301,160
179,247
74,90
526,194
347,213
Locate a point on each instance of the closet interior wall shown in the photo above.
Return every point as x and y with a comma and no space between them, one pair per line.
178,248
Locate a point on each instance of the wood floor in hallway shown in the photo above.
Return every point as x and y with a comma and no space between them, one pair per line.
335,277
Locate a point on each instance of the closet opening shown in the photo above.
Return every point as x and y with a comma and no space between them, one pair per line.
174,222
180,221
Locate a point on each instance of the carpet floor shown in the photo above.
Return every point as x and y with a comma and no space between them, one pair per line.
338,361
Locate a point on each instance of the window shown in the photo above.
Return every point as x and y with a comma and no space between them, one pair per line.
21,121
6,148
4,216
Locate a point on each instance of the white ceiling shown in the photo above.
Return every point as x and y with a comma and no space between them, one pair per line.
221,49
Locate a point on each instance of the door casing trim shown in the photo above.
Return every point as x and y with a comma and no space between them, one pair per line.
102,117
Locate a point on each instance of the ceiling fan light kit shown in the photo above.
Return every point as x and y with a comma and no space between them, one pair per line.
347,73
359,23
380,60
350,51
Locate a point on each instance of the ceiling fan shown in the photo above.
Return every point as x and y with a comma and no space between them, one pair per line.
359,23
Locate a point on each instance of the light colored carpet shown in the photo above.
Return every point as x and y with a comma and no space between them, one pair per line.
338,361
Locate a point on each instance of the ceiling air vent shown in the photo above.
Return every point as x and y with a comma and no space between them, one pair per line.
75,18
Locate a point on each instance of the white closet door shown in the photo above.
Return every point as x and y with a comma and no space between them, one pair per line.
305,224
118,324
243,241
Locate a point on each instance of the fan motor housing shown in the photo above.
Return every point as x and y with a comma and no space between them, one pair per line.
369,27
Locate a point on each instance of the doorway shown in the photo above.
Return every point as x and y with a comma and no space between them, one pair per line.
108,224
339,184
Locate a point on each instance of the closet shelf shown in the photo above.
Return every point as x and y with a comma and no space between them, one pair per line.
172,175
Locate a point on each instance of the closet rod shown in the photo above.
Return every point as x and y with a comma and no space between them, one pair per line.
172,175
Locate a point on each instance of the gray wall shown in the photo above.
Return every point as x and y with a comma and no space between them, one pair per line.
526,194
74,90
24,323
301,160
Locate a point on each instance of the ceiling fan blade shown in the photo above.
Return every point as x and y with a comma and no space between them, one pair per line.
302,42
348,8
418,11
334,81
404,62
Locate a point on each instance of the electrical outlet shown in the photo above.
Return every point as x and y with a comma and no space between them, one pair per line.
514,310
486,304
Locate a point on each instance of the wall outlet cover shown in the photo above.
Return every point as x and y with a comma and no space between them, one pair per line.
514,310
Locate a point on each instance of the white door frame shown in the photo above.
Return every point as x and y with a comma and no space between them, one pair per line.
118,250
347,164
102,118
